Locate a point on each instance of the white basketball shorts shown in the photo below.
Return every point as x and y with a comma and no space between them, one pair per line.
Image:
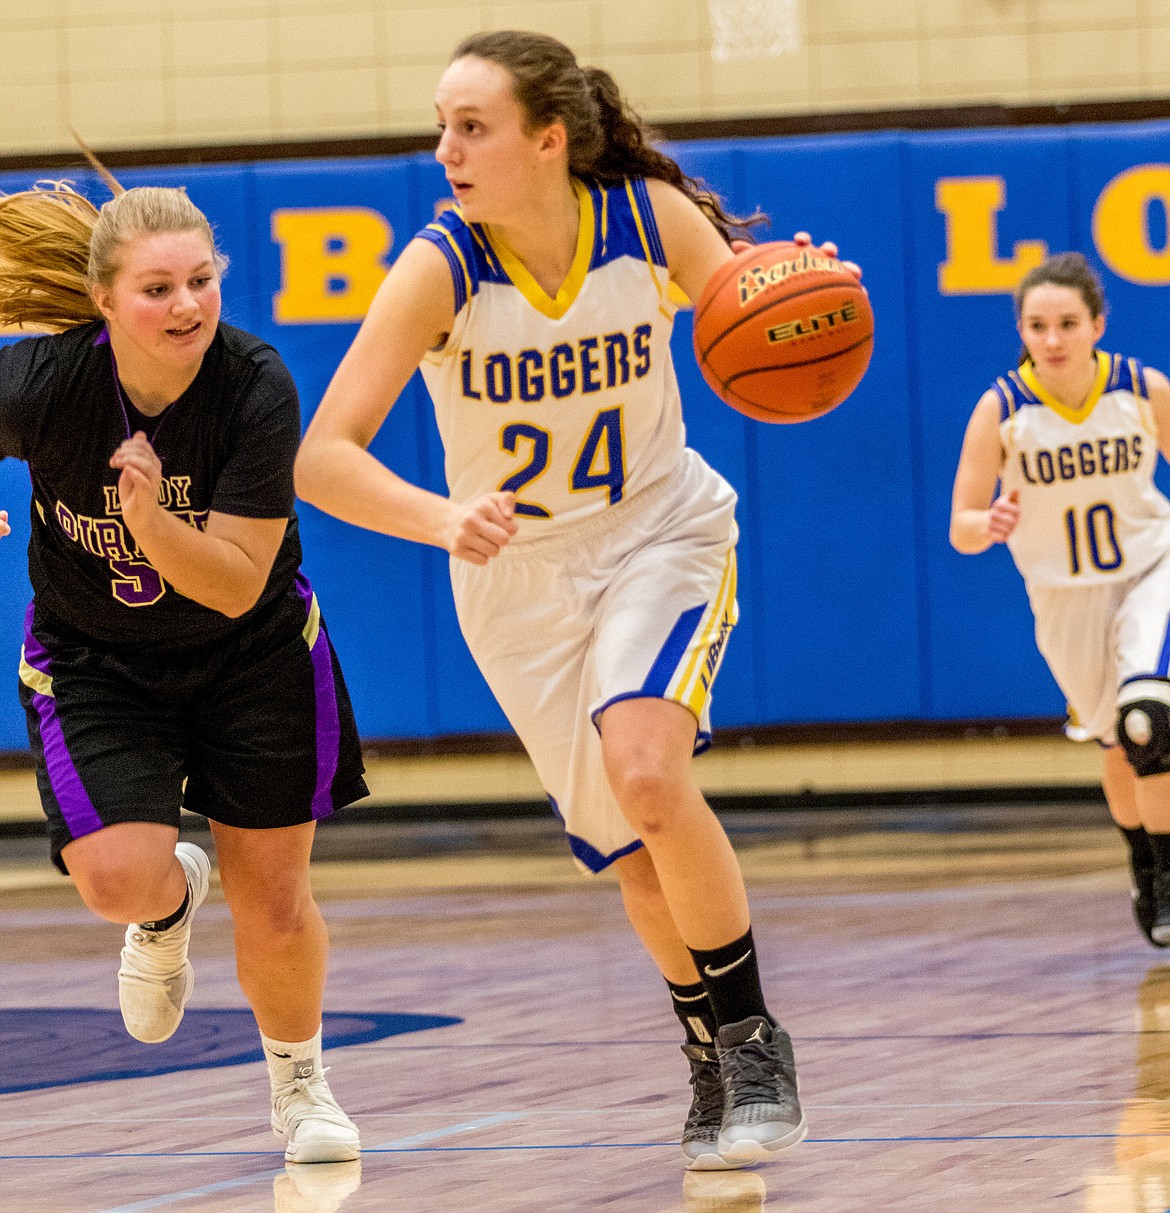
1096,637
637,601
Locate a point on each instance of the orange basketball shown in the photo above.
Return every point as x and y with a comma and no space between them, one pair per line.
783,332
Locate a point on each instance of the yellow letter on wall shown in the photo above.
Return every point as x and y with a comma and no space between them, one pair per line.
1121,227
330,263
973,266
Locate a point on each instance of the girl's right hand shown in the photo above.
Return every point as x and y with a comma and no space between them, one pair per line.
1003,516
482,527
5,529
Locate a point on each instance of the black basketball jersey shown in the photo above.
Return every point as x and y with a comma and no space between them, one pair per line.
227,444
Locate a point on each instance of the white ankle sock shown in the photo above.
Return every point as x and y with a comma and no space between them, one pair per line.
286,1059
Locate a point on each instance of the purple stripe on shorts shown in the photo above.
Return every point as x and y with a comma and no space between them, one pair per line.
328,724
72,798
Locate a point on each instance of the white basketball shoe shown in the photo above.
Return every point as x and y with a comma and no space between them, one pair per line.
155,979
306,1116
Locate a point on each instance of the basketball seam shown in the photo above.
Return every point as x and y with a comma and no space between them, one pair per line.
702,309
794,366
823,286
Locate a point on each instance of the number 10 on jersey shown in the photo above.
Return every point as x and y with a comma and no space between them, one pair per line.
1092,537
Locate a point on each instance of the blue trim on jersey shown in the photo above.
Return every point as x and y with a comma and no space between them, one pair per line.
592,858
615,226
444,235
1022,392
615,234
1014,394
702,739
646,210
1164,657
1147,677
586,852
1006,404
1126,375
671,653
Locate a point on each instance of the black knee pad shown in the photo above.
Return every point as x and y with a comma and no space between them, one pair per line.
1143,724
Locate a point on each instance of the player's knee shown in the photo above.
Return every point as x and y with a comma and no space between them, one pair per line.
281,914
116,893
647,792
1143,724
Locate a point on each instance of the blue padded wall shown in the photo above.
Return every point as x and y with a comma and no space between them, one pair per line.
853,605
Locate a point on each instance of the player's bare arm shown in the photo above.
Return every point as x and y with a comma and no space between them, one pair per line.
1158,389
978,521
224,567
412,313
694,248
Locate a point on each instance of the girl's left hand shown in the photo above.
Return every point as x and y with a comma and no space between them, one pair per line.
140,481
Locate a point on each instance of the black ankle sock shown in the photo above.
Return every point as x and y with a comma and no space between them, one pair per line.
1160,846
164,924
694,1011
731,977
1141,852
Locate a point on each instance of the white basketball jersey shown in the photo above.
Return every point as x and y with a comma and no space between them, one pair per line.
1089,510
569,402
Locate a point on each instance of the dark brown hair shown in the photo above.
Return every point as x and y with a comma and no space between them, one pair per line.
1065,269
607,139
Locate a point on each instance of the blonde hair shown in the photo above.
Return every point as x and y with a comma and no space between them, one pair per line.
55,246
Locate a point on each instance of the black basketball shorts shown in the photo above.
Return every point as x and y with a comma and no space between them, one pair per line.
255,731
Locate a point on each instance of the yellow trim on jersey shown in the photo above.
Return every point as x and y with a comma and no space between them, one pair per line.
1104,365
663,291
438,227
34,679
312,626
690,691
524,282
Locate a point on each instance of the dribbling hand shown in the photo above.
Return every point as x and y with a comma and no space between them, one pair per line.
803,238
1003,516
482,527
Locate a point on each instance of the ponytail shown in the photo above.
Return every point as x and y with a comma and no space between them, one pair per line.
627,152
55,245
607,139
45,235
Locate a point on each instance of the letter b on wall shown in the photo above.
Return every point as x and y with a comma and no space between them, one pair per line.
331,263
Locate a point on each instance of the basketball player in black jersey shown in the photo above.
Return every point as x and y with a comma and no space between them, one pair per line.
173,653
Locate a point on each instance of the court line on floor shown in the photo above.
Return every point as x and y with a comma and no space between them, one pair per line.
394,1148
402,1144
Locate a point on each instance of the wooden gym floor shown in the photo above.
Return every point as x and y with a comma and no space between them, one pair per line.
977,1025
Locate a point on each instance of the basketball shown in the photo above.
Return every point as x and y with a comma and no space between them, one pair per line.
783,332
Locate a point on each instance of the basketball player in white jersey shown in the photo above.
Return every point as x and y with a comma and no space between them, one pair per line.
593,553
1071,439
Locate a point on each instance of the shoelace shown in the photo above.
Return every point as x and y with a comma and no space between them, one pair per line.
755,1072
320,1104
160,949
707,1105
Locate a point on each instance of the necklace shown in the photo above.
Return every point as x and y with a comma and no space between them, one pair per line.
150,426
